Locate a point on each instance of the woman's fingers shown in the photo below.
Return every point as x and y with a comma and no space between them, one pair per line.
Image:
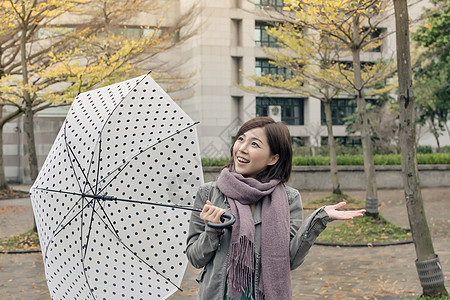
339,205
211,213
335,214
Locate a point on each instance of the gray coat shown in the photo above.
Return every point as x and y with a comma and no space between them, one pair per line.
208,248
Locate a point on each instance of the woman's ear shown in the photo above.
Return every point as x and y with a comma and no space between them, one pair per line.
274,159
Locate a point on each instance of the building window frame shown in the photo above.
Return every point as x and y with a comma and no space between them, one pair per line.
340,109
269,4
292,109
262,38
264,67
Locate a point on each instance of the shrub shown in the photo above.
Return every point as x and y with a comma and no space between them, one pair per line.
434,158
349,160
214,162
424,149
381,159
311,160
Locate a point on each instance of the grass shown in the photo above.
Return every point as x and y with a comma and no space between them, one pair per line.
12,194
352,203
27,241
434,298
364,230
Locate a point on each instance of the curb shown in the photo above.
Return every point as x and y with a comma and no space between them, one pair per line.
368,245
326,244
19,251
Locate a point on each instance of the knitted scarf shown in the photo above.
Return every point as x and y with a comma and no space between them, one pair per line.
275,259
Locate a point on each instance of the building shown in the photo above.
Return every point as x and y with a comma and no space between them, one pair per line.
228,46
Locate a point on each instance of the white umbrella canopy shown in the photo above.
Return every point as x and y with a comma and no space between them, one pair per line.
106,201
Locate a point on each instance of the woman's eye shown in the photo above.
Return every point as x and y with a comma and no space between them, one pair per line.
255,144
240,138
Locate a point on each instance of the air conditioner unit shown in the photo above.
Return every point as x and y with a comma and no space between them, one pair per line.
274,111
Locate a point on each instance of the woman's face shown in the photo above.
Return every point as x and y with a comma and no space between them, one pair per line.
251,153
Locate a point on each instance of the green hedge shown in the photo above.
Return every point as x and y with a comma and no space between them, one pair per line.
350,160
214,162
379,159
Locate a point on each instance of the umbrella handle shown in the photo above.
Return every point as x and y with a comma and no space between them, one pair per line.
227,218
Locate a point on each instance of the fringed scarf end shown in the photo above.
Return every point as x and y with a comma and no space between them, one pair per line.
240,272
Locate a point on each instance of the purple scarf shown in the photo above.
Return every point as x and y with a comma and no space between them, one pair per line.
275,259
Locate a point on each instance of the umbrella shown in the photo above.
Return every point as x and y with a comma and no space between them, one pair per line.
113,198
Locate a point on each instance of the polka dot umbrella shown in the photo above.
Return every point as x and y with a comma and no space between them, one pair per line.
112,201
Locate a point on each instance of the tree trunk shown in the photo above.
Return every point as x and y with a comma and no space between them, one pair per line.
31,146
28,122
332,148
3,184
448,129
427,261
435,131
369,165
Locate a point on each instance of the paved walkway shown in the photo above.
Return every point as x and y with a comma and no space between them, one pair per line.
327,273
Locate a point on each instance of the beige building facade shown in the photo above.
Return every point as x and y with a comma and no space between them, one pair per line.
227,47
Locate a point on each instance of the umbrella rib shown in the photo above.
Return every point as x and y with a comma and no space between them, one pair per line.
112,198
177,206
123,98
104,124
79,165
114,231
127,161
90,228
151,267
98,161
131,251
69,149
58,229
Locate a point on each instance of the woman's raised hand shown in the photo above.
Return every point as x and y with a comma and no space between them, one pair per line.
211,213
335,214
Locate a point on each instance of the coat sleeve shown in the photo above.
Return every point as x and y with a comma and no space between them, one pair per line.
202,240
303,233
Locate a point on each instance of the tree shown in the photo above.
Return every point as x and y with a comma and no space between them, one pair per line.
432,69
305,63
414,202
110,43
27,56
21,22
54,61
8,43
352,24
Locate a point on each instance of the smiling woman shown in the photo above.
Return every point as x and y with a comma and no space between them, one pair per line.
253,259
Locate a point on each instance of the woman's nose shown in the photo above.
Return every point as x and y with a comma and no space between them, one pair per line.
243,147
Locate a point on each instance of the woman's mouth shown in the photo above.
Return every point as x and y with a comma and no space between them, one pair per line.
242,160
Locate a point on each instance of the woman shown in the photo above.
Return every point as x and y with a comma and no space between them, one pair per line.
253,258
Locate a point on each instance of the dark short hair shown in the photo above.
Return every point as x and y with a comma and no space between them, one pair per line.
279,140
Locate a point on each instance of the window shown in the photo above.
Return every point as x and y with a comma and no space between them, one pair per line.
263,67
299,141
292,110
269,4
348,65
340,109
53,31
375,34
136,32
262,38
353,141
